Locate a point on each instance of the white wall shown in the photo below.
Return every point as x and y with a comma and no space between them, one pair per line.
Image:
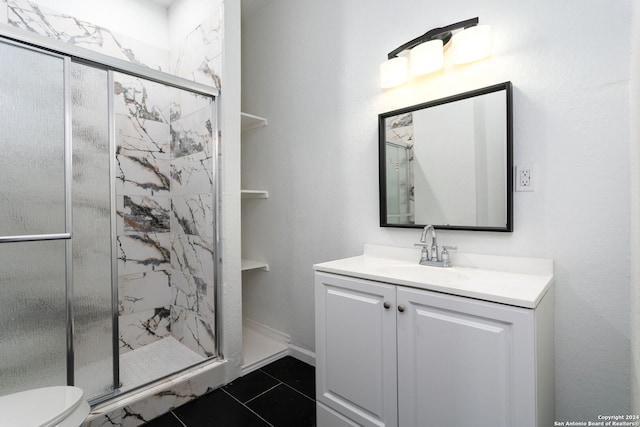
434,152
312,69
231,304
634,93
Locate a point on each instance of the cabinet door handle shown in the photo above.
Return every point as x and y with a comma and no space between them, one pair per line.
386,305
401,308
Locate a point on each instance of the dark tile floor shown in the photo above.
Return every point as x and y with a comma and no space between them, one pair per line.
282,394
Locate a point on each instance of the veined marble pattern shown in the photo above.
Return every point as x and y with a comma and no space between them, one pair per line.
144,291
192,313
399,129
193,255
168,395
192,134
187,60
141,98
142,175
142,252
139,137
185,103
192,214
143,136
192,174
143,214
193,330
189,292
155,135
138,329
34,18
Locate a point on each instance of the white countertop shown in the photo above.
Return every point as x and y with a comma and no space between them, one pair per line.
515,281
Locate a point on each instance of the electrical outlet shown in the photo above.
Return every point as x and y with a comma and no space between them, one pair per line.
524,178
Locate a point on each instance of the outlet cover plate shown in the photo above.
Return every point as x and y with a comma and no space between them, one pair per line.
525,177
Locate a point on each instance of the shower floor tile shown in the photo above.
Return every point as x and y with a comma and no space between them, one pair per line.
155,360
280,394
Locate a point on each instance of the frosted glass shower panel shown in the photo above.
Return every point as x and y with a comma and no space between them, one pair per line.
398,186
93,342
32,315
32,196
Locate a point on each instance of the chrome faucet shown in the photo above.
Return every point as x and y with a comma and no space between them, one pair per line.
431,257
434,241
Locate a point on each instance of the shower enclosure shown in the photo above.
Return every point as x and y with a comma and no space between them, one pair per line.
108,229
399,186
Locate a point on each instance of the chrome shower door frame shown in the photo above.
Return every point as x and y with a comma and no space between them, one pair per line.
70,53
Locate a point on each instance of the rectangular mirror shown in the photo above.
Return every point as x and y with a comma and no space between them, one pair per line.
448,162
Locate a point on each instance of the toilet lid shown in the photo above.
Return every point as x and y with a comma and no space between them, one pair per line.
42,407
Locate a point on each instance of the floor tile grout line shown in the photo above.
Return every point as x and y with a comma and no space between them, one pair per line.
274,377
290,386
263,393
252,411
178,418
298,391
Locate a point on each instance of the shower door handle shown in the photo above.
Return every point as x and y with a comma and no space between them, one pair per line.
35,237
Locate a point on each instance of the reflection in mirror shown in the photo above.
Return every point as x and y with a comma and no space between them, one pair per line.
448,162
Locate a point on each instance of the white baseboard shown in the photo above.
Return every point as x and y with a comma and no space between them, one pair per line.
294,350
301,353
267,331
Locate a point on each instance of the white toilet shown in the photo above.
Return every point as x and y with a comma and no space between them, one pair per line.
61,406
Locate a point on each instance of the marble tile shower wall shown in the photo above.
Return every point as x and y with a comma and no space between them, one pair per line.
165,215
164,206
198,57
165,218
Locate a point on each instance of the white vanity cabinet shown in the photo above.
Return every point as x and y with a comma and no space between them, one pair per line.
356,350
463,362
394,355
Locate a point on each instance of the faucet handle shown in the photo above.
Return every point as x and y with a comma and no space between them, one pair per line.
445,255
424,254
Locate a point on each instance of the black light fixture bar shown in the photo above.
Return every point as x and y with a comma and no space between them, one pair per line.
443,33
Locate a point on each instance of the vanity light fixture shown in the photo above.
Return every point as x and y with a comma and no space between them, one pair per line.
426,53
394,72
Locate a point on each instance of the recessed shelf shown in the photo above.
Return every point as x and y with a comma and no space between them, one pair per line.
249,264
254,194
249,121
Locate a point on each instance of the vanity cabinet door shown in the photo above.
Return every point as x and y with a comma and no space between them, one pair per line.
463,362
356,350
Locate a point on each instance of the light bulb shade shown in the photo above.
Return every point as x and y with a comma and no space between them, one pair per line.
394,72
427,57
471,44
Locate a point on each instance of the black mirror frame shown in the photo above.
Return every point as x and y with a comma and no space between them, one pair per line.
509,170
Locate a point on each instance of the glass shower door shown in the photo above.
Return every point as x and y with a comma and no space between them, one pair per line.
107,225
398,191
33,220
93,293
50,283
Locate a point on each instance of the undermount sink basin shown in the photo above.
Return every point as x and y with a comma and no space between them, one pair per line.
423,273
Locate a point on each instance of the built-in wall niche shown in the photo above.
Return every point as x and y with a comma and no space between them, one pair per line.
250,122
261,344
